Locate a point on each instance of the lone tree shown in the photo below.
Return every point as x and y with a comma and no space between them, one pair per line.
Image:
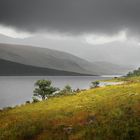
44,89
95,84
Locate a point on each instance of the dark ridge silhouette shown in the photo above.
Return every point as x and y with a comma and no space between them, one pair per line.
8,68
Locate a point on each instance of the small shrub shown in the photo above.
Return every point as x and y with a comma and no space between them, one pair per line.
95,84
27,102
66,90
7,108
35,100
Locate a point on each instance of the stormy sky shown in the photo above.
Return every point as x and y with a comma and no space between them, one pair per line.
96,22
71,16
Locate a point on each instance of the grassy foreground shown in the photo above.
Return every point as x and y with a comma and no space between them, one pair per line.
107,113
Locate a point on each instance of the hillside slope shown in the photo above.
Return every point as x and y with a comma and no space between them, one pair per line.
42,57
121,53
47,58
110,68
8,68
101,114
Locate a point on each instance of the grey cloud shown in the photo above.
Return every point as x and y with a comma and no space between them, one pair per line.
71,16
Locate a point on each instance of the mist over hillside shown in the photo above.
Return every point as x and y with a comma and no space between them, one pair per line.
118,53
52,59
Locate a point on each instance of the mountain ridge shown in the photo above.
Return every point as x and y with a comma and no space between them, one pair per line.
53,59
9,68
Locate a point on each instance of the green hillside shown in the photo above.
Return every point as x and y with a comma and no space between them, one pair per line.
105,113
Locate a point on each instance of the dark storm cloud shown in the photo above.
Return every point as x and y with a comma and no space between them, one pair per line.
72,16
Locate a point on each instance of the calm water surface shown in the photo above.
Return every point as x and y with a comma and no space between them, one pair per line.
18,89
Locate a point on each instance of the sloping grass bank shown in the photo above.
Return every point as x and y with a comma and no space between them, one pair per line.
106,113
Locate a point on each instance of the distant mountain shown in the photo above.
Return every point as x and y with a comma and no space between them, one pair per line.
52,59
42,57
109,68
120,53
8,68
